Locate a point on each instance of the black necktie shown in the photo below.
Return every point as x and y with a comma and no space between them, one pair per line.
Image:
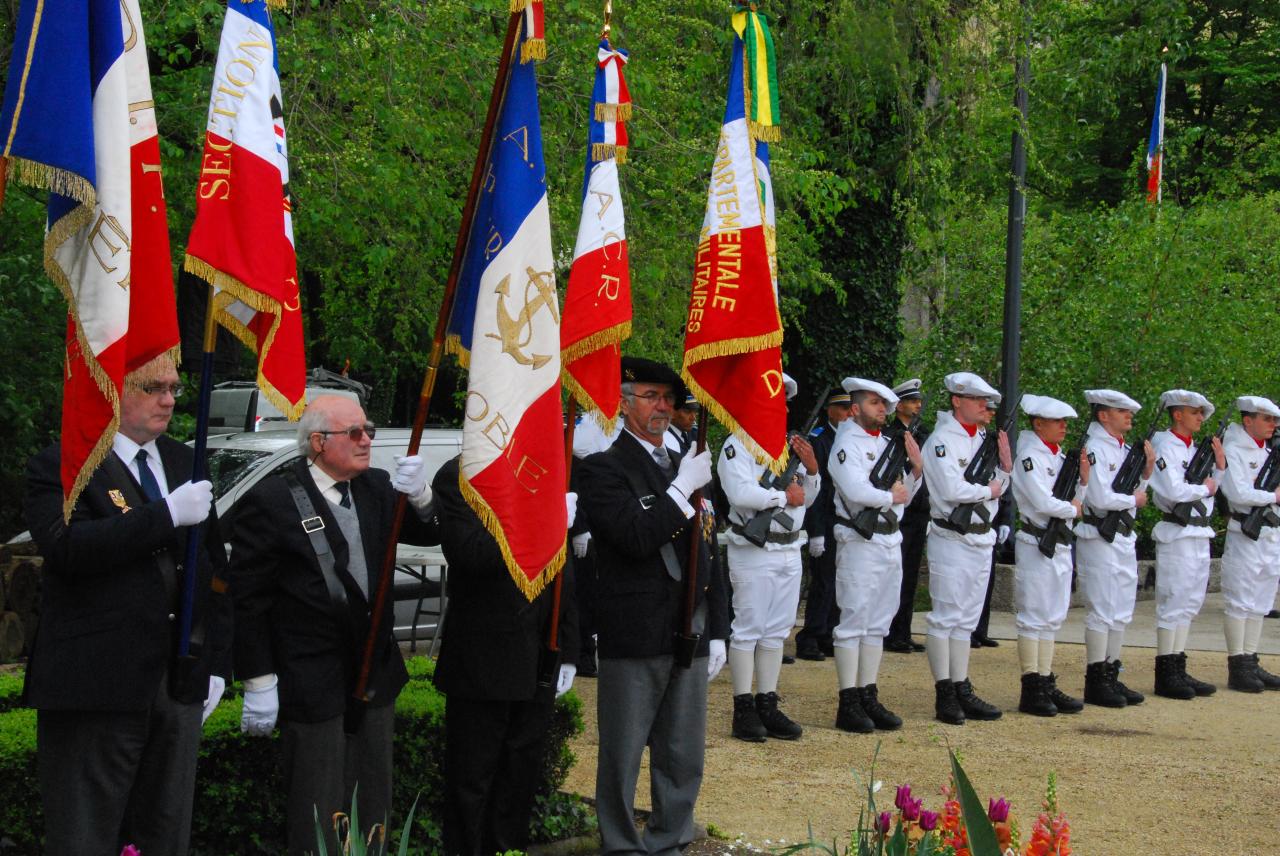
146,478
344,488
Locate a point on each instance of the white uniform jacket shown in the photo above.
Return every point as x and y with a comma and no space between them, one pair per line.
853,455
1035,469
1169,487
589,437
1106,454
1244,460
946,454
740,479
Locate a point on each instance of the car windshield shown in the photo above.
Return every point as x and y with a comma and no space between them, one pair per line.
228,467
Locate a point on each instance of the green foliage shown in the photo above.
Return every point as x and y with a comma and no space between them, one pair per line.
239,801
982,835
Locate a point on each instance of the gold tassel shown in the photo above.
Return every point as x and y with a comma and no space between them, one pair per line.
613,112
533,49
60,181
774,465
620,154
518,5
733,347
604,151
453,345
586,404
764,133
600,339
530,588
271,4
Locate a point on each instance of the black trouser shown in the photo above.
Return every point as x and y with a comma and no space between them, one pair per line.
113,778
915,527
492,754
820,611
584,583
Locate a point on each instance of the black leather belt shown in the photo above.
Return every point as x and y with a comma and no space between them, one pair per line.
886,523
772,537
1194,520
1125,527
1033,530
1269,518
980,528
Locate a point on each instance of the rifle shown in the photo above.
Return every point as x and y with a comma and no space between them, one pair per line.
884,475
1268,479
981,470
1064,488
756,529
1126,481
1198,469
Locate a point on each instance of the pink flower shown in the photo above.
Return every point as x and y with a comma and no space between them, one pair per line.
130,850
998,810
884,823
911,811
928,820
903,797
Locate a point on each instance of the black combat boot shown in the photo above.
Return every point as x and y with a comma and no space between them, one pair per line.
850,716
974,707
777,723
1097,686
1063,702
1169,682
746,721
1269,681
1035,696
810,651
1202,688
884,719
946,707
1242,676
1131,697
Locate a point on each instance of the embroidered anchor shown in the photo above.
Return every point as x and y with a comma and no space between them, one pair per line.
516,333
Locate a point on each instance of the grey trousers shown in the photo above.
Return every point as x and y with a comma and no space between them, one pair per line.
114,778
650,702
323,766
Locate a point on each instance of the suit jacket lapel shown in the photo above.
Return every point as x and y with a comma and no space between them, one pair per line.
635,455
367,512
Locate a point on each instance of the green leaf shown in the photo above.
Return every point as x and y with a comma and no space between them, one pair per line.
982,835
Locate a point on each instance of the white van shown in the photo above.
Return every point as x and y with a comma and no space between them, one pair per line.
238,405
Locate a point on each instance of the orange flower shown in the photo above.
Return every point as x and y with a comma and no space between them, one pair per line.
1050,837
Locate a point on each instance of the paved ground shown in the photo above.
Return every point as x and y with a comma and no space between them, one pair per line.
1165,777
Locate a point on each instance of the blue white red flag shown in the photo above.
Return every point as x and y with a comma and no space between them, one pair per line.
597,302
242,238
79,121
1155,144
733,335
505,327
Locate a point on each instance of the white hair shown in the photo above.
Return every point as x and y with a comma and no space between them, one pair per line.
313,419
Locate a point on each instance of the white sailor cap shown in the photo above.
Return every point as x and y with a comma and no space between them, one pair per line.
1257,404
993,403
968,383
790,385
908,389
1047,408
858,384
1185,398
1111,398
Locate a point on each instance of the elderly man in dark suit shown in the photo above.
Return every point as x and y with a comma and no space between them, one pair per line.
119,714
496,711
636,495
306,552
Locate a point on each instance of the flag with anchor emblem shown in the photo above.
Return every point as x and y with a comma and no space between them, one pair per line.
505,328
242,238
79,122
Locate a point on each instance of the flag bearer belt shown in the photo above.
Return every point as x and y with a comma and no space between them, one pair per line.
1125,527
886,523
1033,530
772,537
980,527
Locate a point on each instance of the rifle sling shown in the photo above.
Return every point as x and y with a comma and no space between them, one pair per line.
1124,528
886,523
772,537
972,529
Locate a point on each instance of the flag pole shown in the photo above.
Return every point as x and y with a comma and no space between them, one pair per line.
4,175
687,642
553,633
358,702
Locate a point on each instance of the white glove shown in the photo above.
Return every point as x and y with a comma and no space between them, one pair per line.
695,471
580,543
411,476
565,681
1002,534
715,659
261,708
817,546
571,506
216,686
189,503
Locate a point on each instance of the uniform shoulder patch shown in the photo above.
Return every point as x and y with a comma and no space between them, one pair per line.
1160,464
1093,459
730,450
1028,464
840,456
940,450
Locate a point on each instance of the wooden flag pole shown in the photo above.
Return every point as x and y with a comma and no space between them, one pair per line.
359,700
4,175
553,633
687,641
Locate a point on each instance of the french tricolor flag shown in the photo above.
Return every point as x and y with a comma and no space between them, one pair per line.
1155,145
505,327
242,238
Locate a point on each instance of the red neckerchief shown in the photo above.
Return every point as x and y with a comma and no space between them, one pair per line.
1261,443
1186,440
1053,447
970,429
875,433
1119,440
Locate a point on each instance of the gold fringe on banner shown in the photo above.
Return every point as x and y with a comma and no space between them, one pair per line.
764,133
586,404
530,588
519,5
724,418
733,347
613,112
60,181
533,49
231,289
271,4
600,339
604,151
453,345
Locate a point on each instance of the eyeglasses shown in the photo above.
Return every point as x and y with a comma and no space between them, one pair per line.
157,388
653,396
354,432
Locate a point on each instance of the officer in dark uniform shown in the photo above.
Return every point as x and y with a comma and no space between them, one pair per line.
915,520
821,614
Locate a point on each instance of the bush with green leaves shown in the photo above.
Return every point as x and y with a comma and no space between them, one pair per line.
240,797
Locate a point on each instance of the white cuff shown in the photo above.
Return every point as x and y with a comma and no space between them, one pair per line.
422,502
262,682
675,494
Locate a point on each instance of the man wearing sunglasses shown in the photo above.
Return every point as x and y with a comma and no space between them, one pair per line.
307,547
118,715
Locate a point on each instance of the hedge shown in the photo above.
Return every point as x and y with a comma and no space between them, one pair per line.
239,801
